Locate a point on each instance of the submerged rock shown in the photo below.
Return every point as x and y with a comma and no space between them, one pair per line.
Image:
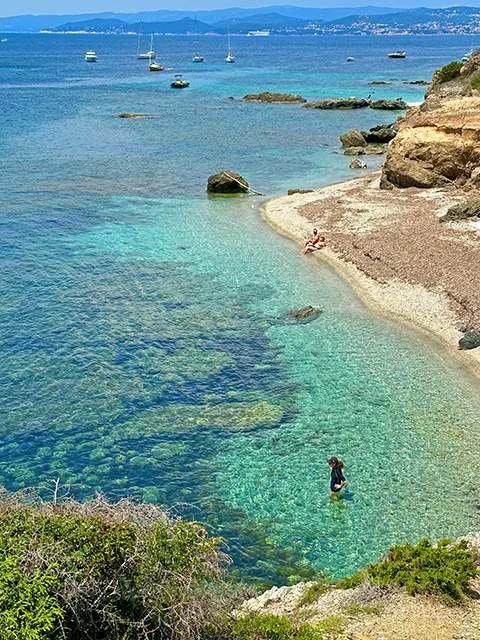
274,97
292,192
390,105
227,182
304,315
356,163
353,138
378,83
132,116
338,103
470,340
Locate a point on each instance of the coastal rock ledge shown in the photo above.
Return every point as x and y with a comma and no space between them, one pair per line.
274,97
227,182
438,143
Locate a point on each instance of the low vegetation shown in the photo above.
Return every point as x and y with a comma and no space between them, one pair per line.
449,72
272,627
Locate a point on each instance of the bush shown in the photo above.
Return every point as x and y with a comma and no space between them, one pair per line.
272,627
104,570
475,82
449,72
445,569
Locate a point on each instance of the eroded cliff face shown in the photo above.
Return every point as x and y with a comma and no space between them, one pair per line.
438,143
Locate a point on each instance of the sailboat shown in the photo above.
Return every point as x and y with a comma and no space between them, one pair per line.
230,57
154,66
150,55
197,57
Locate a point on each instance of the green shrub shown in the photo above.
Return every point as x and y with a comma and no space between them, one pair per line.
444,569
272,627
475,82
449,72
350,582
312,593
104,570
355,609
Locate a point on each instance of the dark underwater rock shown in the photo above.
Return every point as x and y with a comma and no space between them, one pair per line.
304,315
292,192
338,103
266,96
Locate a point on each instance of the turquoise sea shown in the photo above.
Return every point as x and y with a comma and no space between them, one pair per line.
143,348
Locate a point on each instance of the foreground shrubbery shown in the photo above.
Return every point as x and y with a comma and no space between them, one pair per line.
102,570
445,569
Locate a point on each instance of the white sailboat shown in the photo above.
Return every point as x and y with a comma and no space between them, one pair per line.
197,57
230,57
154,66
150,55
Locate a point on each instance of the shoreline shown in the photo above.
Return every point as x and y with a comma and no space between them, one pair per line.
424,309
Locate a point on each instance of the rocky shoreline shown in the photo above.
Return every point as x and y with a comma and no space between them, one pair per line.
391,247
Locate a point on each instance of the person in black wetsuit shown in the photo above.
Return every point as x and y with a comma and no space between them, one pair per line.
337,479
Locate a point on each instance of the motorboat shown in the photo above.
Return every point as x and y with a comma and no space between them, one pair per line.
397,54
198,58
350,59
179,82
155,66
90,56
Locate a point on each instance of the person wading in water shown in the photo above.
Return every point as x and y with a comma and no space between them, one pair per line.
337,479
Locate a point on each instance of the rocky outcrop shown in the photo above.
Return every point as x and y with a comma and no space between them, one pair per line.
353,138
292,192
338,103
369,150
356,163
439,143
274,97
382,134
470,340
132,116
389,105
463,211
227,182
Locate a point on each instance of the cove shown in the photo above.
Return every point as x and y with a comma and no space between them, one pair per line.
143,347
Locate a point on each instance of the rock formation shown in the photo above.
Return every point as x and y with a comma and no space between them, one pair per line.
338,103
227,182
274,97
383,133
438,143
306,314
356,163
353,138
470,340
389,105
292,192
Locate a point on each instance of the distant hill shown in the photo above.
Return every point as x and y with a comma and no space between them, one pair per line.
272,21
110,25
34,24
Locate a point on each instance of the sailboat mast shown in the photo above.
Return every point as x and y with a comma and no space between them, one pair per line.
229,52
139,40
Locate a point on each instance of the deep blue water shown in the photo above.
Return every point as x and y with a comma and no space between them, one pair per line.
142,347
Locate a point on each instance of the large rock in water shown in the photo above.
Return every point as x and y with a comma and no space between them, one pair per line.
389,105
274,97
337,103
383,134
306,314
353,138
356,163
227,182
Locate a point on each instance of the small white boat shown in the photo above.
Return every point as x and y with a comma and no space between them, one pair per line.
198,58
154,66
397,54
230,57
90,56
350,59
467,56
4,39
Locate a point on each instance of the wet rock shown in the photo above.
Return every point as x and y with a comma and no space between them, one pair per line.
389,105
463,211
378,83
132,116
356,163
353,138
383,133
420,82
227,182
470,340
354,151
304,315
369,150
274,97
337,103
292,192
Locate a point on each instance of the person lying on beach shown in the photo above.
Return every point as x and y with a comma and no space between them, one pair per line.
314,243
337,479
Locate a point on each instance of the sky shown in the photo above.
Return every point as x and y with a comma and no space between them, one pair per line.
37,7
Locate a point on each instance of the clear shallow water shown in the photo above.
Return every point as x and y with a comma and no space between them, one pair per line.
143,349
